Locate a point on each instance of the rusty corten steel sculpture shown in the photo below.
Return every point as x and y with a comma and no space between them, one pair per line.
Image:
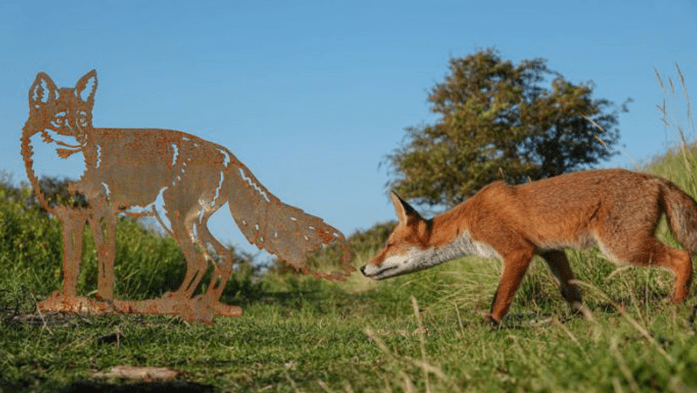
129,171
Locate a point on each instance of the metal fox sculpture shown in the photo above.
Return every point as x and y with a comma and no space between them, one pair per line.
130,171
616,210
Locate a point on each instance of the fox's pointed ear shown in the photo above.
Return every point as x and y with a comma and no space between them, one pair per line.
86,87
42,91
403,210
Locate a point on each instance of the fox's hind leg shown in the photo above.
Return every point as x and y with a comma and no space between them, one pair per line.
559,266
647,251
682,268
679,262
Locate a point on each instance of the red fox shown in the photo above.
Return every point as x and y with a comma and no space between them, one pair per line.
129,171
617,210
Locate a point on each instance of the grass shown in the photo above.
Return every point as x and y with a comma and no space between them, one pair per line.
415,333
421,332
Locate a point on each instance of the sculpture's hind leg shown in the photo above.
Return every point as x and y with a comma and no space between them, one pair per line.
222,267
195,262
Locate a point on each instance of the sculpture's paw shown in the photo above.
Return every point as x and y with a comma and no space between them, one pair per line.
60,301
173,295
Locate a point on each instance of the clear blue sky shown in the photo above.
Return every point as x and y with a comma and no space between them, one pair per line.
312,95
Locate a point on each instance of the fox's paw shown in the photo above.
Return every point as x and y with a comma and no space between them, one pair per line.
680,293
580,310
489,319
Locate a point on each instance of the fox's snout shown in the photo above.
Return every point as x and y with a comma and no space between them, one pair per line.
365,269
382,267
372,268
372,271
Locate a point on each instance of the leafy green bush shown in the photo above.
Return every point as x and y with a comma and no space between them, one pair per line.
30,242
147,263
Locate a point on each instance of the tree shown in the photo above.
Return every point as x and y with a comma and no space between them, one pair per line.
498,122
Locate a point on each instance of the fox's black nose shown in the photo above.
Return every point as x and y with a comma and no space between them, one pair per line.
363,269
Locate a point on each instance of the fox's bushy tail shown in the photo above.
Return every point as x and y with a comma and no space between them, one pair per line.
281,229
681,211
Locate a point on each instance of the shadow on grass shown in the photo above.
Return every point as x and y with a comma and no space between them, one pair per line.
170,386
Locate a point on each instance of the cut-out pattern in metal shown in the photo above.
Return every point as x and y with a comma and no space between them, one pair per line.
130,171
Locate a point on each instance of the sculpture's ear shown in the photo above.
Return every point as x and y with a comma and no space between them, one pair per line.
42,91
402,209
86,87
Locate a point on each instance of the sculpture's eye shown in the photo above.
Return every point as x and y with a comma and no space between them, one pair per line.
58,120
83,119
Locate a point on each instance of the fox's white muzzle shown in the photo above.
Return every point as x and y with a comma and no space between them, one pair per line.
390,267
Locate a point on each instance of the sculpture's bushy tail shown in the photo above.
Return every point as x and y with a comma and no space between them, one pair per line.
281,229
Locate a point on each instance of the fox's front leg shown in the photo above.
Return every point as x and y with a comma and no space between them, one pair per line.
515,264
104,232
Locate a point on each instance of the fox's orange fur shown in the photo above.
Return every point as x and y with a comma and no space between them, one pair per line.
616,210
